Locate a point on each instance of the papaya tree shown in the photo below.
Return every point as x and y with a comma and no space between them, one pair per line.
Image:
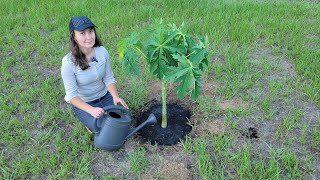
173,56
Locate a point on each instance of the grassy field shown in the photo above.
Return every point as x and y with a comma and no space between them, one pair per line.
264,75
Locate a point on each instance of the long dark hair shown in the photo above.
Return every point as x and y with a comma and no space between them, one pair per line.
78,57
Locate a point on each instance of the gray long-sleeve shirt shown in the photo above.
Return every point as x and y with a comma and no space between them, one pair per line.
89,84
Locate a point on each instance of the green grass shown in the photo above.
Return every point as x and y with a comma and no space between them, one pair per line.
139,163
264,52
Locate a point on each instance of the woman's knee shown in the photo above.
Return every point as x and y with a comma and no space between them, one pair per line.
85,118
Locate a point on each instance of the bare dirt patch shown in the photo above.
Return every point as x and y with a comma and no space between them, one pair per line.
65,128
63,104
175,170
108,163
156,87
47,72
147,176
236,103
218,59
213,127
210,88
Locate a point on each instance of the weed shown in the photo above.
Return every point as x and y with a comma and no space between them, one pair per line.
187,144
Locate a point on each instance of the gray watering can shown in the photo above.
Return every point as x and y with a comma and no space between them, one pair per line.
114,129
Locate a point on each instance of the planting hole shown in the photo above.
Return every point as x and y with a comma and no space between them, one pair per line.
177,129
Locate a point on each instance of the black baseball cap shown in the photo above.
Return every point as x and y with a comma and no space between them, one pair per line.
80,23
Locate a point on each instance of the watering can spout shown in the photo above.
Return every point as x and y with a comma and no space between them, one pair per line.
151,119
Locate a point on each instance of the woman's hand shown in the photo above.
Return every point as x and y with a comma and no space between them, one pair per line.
96,112
117,100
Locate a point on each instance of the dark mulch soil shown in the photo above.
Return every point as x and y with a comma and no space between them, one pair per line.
177,118
251,133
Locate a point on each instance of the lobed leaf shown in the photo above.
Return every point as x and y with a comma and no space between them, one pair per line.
183,88
172,54
176,73
130,62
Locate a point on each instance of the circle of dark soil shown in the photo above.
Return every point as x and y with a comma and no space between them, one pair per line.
177,129
251,133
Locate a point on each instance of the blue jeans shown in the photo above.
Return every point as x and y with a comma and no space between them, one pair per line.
87,119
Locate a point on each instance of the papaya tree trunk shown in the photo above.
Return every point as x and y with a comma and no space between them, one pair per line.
164,104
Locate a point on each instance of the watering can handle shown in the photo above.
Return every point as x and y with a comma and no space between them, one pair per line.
106,109
121,109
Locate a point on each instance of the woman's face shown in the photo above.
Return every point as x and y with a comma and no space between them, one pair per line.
86,38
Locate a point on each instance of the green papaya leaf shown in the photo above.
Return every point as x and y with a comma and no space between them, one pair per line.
204,64
197,56
183,60
176,72
183,88
130,62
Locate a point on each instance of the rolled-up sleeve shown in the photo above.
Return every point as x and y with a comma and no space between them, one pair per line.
109,76
69,80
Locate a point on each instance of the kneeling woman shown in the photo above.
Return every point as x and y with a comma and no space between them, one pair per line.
87,76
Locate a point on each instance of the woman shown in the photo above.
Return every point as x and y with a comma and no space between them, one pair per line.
87,76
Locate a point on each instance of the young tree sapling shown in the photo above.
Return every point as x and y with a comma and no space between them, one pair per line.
173,56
